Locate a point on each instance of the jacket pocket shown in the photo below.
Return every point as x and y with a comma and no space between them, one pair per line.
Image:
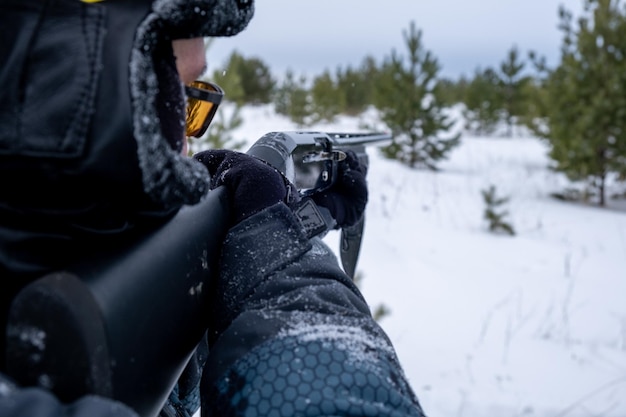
52,53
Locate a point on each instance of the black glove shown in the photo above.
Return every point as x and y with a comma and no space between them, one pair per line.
347,197
251,183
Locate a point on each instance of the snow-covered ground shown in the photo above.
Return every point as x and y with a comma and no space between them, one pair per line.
491,325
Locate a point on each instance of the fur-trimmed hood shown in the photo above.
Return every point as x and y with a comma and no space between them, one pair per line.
202,18
167,176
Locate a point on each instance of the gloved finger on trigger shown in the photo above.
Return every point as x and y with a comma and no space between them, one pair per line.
352,162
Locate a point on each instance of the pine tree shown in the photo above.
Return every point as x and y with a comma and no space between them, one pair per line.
535,92
586,96
327,99
356,85
293,99
494,213
483,102
452,91
512,84
409,105
248,79
220,132
230,81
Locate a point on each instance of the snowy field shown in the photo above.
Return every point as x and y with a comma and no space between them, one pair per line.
490,325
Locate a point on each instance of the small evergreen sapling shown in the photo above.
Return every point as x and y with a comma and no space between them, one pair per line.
494,214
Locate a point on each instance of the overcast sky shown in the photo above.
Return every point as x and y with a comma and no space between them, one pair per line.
309,36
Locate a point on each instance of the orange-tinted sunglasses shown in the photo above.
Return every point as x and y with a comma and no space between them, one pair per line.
203,98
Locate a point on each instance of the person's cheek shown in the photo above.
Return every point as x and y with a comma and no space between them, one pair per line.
190,58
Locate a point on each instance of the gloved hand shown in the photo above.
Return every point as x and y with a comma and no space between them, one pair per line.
347,197
251,183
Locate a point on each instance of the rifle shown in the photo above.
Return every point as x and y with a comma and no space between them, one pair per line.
124,324
310,160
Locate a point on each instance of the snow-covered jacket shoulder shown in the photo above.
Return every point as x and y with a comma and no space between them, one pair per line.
292,333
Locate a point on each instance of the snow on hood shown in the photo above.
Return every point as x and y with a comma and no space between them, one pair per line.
168,177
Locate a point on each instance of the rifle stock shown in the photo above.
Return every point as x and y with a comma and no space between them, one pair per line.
123,325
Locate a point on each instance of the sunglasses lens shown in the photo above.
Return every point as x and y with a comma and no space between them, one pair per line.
199,115
202,101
